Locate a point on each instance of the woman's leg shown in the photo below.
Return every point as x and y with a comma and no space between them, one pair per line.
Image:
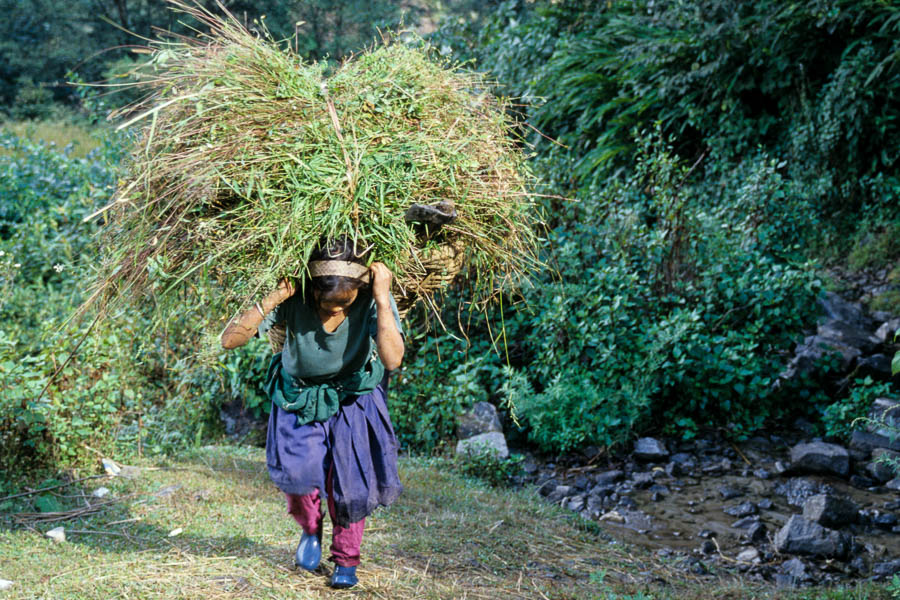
345,541
306,510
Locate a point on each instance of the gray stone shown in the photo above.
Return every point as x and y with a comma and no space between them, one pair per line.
560,492
885,413
481,419
756,533
744,509
650,449
866,442
830,511
800,536
608,477
762,474
886,569
750,555
746,522
874,365
836,308
642,481
492,442
883,465
547,487
893,484
884,520
797,490
820,457
887,330
794,570
844,334
727,492
576,503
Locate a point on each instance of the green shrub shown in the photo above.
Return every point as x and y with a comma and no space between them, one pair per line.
844,416
136,382
489,467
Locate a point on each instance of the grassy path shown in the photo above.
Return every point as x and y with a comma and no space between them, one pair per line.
448,537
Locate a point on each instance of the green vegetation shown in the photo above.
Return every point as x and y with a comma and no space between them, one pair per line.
713,154
697,164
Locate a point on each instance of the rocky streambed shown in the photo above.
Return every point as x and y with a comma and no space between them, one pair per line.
778,508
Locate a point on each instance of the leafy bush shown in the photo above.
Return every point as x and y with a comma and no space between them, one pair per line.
135,383
490,468
842,417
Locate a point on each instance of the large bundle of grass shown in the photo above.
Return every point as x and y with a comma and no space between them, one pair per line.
248,156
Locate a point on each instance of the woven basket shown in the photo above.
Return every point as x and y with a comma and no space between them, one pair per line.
441,267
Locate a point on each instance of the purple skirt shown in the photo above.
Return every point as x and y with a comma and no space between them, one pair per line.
359,446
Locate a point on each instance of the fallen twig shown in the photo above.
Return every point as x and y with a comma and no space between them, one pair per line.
52,487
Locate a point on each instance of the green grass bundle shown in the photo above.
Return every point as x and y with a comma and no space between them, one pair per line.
248,156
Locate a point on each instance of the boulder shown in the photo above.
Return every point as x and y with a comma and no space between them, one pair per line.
865,441
820,457
835,308
492,442
482,418
800,536
886,569
885,413
830,511
887,330
884,465
650,449
608,477
842,334
877,366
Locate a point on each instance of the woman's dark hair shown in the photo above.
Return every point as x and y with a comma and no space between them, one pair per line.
342,248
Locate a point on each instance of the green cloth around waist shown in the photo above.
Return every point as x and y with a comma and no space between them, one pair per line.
319,401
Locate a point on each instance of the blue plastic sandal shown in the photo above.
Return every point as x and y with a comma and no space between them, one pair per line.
343,577
309,551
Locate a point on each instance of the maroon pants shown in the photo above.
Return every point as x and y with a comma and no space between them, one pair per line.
345,541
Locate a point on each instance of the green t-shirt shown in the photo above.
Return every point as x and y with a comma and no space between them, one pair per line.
311,352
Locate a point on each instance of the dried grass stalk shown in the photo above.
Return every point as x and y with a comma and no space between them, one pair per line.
247,156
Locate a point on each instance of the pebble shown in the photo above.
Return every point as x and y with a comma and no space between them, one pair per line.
744,509
728,492
57,534
5,584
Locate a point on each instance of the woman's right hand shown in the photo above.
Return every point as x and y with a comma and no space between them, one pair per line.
284,291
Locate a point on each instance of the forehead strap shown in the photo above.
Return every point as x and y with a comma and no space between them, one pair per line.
342,268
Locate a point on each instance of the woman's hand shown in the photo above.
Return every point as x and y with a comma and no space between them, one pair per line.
284,291
381,282
239,331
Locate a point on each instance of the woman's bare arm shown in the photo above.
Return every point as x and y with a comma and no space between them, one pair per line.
244,326
388,340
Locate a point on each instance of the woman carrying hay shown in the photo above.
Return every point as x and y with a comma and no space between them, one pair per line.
329,431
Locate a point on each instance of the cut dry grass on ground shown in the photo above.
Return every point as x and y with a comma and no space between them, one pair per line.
447,537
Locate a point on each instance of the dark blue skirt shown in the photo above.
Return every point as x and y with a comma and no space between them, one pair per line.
358,443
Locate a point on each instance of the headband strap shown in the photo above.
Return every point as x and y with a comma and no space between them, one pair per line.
342,268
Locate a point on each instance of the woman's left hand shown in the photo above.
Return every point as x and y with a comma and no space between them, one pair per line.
381,281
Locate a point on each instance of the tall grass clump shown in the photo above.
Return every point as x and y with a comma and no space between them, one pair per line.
248,156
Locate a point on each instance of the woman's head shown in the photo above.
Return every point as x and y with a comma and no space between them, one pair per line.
333,292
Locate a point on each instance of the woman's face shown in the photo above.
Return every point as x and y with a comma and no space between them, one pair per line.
336,303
